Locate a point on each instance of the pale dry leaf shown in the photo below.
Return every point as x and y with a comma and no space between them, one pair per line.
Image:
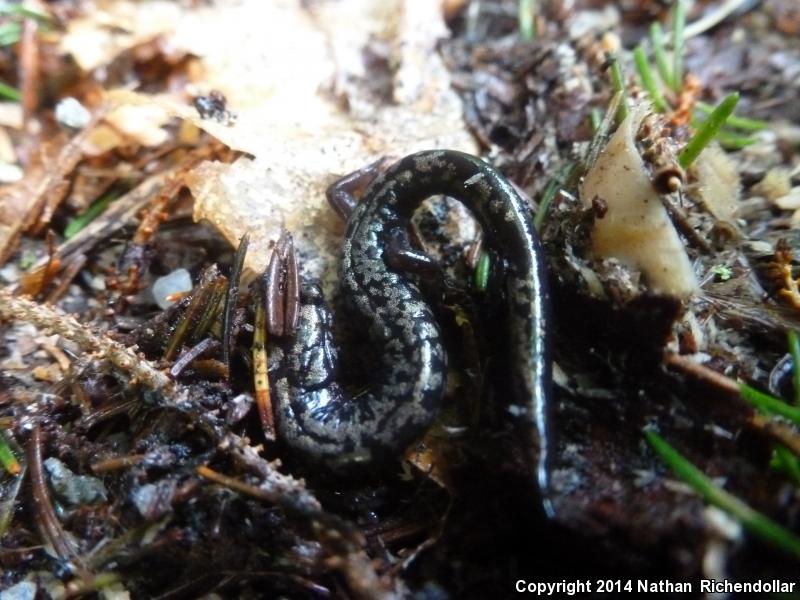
635,229
140,124
288,73
7,154
11,115
110,28
718,183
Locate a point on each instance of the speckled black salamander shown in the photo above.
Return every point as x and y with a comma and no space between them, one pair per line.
314,415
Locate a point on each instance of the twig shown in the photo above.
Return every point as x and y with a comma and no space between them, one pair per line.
261,371
121,212
239,486
116,463
282,490
778,431
67,276
122,357
29,68
231,297
185,359
51,528
50,187
703,373
344,541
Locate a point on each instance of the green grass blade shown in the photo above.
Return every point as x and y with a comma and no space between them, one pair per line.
89,215
707,130
595,118
550,192
7,458
741,123
752,520
9,93
784,460
678,26
18,10
648,81
794,350
770,404
482,272
733,141
618,83
601,134
527,12
660,55
10,33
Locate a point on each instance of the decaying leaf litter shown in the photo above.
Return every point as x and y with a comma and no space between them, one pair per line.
174,490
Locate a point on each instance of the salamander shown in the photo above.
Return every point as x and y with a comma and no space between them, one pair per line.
316,417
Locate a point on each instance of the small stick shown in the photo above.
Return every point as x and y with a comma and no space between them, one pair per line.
261,373
618,84
51,528
67,276
231,482
230,299
29,68
190,355
116,463
702,373
45,317
778,431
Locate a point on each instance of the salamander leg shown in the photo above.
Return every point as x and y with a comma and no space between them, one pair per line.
343,194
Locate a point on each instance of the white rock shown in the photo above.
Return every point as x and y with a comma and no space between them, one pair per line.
71,113
177,282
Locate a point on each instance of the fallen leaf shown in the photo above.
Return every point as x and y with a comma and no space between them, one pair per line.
306,112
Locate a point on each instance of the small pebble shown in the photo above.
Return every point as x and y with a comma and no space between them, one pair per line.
177,282
9,173
74,490
10,273
24,590
71,113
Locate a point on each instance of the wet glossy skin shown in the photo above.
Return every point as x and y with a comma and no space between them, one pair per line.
316,417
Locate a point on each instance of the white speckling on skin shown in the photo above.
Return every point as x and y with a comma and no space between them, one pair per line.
517,410
473,180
